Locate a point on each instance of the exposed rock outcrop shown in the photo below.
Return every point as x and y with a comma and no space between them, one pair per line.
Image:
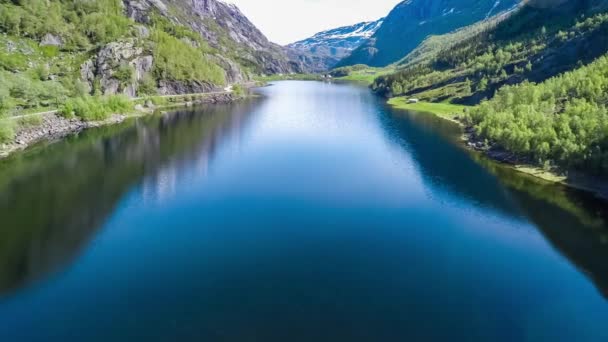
178,87
119,67
218,21
51,40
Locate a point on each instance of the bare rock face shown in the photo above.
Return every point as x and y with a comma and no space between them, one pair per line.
234,74
87,73
140,10
178,87
51,40
142,66
213,20
126,55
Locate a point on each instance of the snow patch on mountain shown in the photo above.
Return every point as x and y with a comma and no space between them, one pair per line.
351,35
323,50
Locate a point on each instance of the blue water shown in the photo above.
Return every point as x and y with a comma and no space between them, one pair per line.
312,213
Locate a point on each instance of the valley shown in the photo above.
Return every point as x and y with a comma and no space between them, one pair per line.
434,171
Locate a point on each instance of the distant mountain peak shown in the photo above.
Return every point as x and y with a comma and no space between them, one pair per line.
324,49
361,30
411,21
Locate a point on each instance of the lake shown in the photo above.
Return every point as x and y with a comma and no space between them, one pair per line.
310,213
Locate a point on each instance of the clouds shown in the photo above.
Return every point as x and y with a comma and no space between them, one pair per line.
290,20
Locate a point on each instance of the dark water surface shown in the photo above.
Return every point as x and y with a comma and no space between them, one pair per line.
314,213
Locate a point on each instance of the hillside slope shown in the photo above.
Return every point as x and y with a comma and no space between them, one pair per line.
223,26
411,21
324,50
54,50
534,43
545,72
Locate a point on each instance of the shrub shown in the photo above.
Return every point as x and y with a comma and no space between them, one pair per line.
125,74
177,60
49,51
117,104
238,90
5,100
7,131
91,108
30,121
42,72
147,86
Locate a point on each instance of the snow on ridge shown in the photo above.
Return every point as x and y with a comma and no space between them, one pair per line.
360,31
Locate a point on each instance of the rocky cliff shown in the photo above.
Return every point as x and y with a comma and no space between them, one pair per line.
228,45
223,26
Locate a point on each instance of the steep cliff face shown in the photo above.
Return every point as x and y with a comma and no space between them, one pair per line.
411,21
223,26
325,49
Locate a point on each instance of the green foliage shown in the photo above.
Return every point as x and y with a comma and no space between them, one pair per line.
19,90
5,99
104,28
180,32
34,77
96,108
78,23
42,72
117,104
147,86
347,70
49,51
238,90
499,51
124,73
158,101
563,121
30,121
178,60
7,131
13,61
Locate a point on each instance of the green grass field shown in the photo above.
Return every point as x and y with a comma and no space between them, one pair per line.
442,109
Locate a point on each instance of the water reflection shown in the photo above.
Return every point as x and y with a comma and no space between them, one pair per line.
54,197
274,219
573,221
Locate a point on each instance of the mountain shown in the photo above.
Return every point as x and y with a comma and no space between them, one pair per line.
223,26
325,49
411,21
538,77
51,51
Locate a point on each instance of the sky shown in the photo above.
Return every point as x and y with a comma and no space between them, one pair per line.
287,21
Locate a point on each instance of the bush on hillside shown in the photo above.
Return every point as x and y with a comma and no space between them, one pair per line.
562,121
179,61
91,108
7,131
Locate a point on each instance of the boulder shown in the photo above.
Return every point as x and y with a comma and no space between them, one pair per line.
51,40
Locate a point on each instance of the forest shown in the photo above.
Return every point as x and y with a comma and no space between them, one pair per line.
537,80
561,122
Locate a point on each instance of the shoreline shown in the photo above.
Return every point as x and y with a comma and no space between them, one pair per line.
55,127
575,180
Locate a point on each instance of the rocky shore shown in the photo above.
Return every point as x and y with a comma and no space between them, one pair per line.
573,179
53,126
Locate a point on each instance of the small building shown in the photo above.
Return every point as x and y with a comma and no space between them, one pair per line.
413,101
